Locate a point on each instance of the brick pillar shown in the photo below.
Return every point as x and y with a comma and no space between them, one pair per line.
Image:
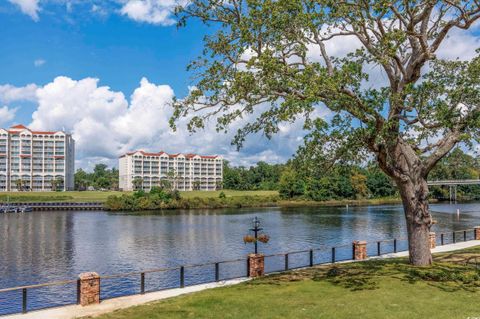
476,231
256,264
432,239
359,250
89,288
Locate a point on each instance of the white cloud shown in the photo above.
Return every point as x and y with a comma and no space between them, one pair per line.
151,11
105,124
39,62
460,44
29,7
10,93
6,115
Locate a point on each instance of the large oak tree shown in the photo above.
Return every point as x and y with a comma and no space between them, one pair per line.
271,58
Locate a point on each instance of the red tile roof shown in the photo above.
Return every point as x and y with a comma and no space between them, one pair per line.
189,155
23,127
19,126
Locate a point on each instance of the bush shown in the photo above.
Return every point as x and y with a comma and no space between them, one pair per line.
222,195
291,184
172,200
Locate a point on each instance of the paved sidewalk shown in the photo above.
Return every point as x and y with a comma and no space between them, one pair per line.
438,249
76,311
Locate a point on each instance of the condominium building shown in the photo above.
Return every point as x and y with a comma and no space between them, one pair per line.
36,160
182,171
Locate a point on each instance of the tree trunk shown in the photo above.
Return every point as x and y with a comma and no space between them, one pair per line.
414,197
400,162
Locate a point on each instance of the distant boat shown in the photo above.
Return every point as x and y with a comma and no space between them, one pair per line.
9,209
15,209
25,209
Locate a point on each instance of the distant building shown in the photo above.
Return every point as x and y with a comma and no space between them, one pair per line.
36,160
180,171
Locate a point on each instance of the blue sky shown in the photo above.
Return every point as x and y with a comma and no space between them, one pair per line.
57,54
106,71
79,43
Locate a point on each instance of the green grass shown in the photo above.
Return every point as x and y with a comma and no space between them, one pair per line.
228,193
373,289
99,196
342,202
93,196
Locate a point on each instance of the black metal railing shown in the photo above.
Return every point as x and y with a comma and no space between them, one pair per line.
141,282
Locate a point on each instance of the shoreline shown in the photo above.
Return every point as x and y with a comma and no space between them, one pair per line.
235,199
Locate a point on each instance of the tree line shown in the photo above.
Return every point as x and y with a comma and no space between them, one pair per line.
102,178
298,178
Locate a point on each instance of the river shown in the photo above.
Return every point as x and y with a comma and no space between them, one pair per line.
42,247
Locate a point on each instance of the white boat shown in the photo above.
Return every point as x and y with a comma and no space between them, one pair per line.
25,209
9,209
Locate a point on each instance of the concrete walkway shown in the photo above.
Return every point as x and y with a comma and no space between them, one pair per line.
76,311
438,249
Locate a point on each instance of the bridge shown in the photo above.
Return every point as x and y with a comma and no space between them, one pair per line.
454,182
452,185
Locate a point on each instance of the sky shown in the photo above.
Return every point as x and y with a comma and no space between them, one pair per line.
106,71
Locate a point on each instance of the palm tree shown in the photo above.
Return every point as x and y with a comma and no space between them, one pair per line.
137,183
19,184
25,185
56,183
196,185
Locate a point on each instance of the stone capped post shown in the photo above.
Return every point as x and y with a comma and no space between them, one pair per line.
432,239
476,231
359,250
256,265
89,288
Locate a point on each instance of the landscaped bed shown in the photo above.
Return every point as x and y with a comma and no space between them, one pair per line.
371,289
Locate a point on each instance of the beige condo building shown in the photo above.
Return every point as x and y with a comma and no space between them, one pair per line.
144,170
36,160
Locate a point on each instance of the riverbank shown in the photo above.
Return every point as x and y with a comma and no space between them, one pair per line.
193,199
146,202
117,201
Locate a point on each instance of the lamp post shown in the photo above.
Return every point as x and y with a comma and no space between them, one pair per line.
256,261
256,228
263,238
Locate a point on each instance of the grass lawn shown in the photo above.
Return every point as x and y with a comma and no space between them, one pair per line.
373,289
99,196
228,193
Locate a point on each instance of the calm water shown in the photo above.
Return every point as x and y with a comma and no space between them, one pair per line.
49,246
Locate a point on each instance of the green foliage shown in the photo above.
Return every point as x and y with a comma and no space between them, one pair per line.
328,178
222,195
379,184
359,185
157,198
100,178
291,184
166,199
457,165
262,176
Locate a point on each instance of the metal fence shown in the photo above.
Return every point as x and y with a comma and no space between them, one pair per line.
35,297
